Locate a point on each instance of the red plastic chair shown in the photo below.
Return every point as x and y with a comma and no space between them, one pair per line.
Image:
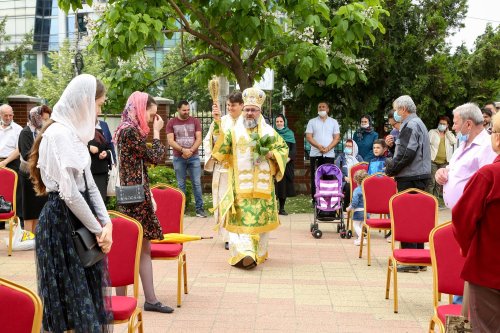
414,213
170,203
353,185
447,264
8,189
377,191
123,263
21,308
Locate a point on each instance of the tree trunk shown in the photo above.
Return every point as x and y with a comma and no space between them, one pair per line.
242,78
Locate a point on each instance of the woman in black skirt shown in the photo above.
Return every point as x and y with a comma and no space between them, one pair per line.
74,297
285,188
32,204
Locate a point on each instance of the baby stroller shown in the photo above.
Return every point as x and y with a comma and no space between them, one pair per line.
328,199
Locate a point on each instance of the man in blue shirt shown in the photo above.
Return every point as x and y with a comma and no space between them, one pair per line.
323,133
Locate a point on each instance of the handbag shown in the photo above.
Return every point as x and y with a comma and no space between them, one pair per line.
129,194
112,176
85,242
5,206
461,323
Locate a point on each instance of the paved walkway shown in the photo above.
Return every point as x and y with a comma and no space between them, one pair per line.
307,285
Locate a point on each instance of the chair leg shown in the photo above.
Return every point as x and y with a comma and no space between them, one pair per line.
388,283
368,252
439,297
450,299
431,325
179,280
185,274
11,234
363,227
395,272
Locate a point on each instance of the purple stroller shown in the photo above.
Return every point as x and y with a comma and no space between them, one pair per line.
328,198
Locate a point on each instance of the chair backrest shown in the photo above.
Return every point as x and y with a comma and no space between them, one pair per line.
377,191
170,203
447,262
8,185
123,259
352,171
414,213
21,308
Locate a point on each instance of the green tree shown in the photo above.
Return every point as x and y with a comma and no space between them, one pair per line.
10,58
411,58
239,39
61,72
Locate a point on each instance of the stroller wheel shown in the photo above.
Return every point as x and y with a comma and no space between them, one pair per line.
317,234
349,234
342,234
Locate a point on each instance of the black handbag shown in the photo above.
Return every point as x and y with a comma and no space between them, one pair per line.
85,242
129,194
5,206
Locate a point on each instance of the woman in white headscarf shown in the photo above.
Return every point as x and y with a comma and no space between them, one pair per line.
74,297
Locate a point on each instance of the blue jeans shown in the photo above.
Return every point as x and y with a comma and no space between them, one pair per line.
193,168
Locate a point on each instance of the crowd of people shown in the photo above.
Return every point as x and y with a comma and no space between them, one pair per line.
64,154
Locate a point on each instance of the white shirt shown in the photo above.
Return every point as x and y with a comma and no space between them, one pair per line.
322,132
9,137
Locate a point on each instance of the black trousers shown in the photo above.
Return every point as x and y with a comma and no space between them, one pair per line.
315,162
421,184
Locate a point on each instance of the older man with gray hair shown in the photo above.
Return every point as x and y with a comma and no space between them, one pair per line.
411,164
474,151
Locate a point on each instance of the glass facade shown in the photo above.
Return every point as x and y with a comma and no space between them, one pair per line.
46,32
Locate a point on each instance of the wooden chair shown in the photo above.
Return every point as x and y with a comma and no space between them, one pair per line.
414,213
353,185
447,264
21,308
8,189
377,191
170,202
123,262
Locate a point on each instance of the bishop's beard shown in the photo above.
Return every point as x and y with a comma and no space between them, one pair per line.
250,123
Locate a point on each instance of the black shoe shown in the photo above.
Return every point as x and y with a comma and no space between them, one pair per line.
157,307
388,235
201,213
2,225
226,245
282,212
408,269
423,268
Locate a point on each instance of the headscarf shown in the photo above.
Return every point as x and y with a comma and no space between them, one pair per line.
35,118
76,107
350,159
134,115
285,132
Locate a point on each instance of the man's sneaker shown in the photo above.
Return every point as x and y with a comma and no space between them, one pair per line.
408,269
201,213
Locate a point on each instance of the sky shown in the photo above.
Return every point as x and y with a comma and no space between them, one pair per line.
480,12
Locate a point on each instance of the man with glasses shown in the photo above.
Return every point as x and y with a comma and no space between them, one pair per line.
256,156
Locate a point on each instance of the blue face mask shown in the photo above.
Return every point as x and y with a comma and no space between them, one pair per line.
462,137
397,117
348,150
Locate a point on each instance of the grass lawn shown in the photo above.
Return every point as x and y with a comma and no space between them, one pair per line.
299,204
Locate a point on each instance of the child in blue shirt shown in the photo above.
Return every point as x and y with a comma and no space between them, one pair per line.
357,205
377,164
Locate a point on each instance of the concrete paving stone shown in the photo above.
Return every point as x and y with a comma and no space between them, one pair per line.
306,285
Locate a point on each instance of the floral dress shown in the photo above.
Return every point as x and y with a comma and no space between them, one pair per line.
133,151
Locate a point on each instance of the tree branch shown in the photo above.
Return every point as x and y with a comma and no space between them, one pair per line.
268,57
253,55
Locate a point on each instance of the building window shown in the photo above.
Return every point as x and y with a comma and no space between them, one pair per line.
28,65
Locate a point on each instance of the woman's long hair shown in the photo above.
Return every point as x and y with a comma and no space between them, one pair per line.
35,175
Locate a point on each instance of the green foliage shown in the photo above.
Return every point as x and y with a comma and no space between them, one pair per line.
239,39
10,83
55,79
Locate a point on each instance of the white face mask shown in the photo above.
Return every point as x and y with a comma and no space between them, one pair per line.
365,125
442,127
322,114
